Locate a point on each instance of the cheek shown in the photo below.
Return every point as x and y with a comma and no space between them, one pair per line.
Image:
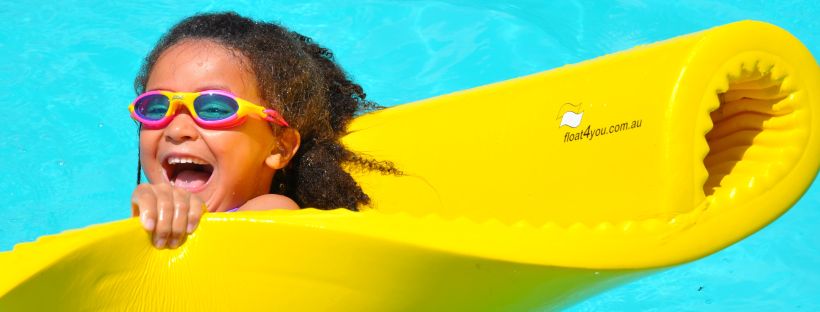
148,145
242,149
149,141
235,149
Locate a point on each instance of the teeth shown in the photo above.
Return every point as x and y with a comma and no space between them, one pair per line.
185,160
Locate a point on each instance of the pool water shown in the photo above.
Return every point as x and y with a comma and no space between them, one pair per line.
68,146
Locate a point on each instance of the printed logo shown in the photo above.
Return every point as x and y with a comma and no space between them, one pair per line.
570,115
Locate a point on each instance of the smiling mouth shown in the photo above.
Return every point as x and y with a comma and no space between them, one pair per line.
189,173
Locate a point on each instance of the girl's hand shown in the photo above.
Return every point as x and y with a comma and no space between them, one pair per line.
169,213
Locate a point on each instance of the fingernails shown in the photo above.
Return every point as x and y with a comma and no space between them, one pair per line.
174,243
191,227
147,223
159,243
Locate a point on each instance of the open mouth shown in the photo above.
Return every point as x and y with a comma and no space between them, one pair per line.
189,173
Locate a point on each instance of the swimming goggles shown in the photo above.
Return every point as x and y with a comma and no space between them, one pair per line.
212,109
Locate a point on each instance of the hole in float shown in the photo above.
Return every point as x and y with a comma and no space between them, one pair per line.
749,128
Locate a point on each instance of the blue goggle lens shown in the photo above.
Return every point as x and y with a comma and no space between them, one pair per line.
152,107
212,107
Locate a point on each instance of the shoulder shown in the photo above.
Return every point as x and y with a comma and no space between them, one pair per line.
269,202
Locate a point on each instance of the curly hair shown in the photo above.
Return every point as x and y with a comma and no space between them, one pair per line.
310,90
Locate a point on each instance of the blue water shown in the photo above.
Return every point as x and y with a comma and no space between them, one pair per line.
68,147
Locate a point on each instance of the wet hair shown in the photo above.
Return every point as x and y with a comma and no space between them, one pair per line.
301,80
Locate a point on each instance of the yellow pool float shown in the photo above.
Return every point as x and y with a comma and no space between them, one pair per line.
526,194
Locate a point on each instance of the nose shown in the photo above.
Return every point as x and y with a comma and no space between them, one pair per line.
182,128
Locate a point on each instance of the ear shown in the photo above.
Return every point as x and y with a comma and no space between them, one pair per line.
287,144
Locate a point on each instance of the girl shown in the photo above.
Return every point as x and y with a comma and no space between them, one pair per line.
241,115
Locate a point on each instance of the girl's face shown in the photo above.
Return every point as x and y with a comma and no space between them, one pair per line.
229,166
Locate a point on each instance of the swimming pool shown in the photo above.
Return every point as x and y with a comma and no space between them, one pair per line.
68,153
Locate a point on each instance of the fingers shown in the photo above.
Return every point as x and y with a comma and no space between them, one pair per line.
179,224
167,212
195,211
143,203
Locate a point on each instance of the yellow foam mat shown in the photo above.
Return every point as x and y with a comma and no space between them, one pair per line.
532,193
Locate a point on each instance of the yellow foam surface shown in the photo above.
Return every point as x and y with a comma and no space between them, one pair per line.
531,193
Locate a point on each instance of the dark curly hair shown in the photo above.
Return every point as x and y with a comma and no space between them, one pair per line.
310,90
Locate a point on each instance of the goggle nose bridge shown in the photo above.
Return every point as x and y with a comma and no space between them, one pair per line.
178,105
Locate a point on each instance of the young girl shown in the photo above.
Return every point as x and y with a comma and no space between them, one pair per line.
241,115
